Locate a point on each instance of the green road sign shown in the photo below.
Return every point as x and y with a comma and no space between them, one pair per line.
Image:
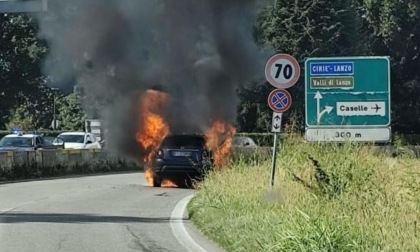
347,93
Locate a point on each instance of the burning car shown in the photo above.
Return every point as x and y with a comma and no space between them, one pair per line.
181,156
167,153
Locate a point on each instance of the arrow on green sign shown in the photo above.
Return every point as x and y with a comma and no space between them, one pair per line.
319,113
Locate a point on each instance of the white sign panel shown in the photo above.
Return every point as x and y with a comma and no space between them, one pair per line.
348,134
57,124
276,122
369,108
282,71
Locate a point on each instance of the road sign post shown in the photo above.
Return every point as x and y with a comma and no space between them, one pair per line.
279,101
282,71
348,99
275,128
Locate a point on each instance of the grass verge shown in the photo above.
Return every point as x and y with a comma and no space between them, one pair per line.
327,197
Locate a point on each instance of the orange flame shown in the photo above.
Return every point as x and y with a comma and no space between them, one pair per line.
168,183
148,174
152,127
219,141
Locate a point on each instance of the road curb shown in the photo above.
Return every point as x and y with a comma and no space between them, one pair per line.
178,219
178,227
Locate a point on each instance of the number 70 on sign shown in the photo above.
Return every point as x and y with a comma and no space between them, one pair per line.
286,73
282,71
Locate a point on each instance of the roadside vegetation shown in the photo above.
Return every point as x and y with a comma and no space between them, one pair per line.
327,197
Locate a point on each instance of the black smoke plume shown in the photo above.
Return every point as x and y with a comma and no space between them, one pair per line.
196,50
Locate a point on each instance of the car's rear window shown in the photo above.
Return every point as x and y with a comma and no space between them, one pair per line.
185,141
16,142
73,138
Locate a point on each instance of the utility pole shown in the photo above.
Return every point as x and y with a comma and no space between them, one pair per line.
54,108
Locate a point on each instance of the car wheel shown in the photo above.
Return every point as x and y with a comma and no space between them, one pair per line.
157,182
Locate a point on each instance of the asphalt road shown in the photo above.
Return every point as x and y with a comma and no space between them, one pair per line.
98,213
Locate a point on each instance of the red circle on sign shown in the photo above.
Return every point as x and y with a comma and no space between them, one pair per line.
292,61
272,105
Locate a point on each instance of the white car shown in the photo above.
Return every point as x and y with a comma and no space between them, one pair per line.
79,140
244,141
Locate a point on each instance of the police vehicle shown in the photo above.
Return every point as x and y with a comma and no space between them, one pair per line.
19,141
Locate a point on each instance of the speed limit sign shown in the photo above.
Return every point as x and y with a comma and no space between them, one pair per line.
282,71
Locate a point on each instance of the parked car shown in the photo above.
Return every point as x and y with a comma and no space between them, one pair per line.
27,142
181,156
79,140
244,141
246,147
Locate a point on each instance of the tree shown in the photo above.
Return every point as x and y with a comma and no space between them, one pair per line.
312,28
21,118
253,112
394,28
21,54
71,113
304,29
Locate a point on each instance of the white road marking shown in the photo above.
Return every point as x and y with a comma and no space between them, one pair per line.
3,211
178,227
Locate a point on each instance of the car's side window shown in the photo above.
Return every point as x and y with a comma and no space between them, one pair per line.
88,139
37,141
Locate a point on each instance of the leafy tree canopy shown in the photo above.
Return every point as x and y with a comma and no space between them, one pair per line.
304,28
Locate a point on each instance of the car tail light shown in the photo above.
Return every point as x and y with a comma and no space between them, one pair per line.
159,154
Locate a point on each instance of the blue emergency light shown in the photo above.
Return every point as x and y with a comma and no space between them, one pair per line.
17,131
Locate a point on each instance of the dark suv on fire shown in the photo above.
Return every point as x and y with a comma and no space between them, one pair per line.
182,156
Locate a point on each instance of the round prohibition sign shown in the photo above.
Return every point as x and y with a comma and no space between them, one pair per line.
280,100
282,71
